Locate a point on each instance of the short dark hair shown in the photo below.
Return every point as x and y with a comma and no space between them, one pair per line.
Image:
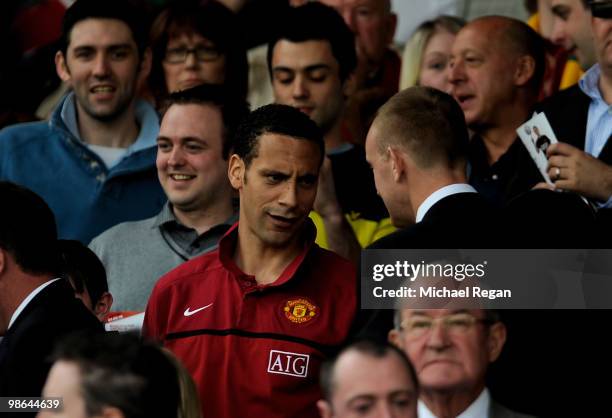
376,349
316,21
209,19
123,10
83,268
232,105
28,230
279,119
427,123
121,371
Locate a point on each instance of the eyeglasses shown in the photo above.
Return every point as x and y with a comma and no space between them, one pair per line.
202,54
455,324
601,9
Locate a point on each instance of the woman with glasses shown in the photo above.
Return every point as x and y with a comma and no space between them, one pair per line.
194,43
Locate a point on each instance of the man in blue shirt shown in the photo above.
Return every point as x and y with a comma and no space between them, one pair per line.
581,117
94,161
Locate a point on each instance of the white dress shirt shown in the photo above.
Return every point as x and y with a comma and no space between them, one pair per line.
440,194
477,409
28,299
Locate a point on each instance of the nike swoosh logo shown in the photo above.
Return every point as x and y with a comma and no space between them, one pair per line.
189,313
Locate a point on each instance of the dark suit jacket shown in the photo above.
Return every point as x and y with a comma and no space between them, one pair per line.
567,111
26,346
462,220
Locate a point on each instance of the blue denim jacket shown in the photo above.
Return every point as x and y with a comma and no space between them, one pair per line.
86,197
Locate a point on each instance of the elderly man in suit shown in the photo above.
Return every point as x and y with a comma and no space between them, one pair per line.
451,351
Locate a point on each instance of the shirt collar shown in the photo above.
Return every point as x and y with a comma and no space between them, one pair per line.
146,117
166,215
227,247
477,409
440,194
28,299
589,82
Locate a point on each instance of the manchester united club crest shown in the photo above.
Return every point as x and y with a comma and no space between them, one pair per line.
300,310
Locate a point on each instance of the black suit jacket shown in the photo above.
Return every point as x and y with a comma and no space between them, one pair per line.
462,220
567,111
26,346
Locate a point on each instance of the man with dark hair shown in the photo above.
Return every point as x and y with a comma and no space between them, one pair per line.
451,351
93,162
497,66
87,276
194,143
310,66
571,29
579,116
253,320
36,307
369,379
417,147
112,375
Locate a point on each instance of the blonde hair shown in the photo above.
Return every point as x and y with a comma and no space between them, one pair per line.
412,57
189,404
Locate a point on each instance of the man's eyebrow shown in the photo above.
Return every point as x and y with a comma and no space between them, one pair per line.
282,69
315,67
361,397
308,176
106,47
270,172
309,68
559,9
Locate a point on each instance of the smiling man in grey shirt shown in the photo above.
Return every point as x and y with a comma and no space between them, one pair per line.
193,145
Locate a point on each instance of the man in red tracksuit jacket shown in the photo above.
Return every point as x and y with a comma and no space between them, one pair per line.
253,320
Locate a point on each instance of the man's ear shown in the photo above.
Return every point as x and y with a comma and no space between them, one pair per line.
496,340
325,409
61,67
524,71
236,171
395,338
3,260
111,412
398,164
103,305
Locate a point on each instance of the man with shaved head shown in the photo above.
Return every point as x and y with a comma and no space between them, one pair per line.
497,66
376,78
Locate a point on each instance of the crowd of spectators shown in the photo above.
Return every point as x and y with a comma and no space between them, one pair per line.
229,238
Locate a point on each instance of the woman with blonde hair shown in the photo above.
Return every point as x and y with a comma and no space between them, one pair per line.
427,53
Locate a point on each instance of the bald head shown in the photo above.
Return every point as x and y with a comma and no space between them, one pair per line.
515,38
373,24
497,67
